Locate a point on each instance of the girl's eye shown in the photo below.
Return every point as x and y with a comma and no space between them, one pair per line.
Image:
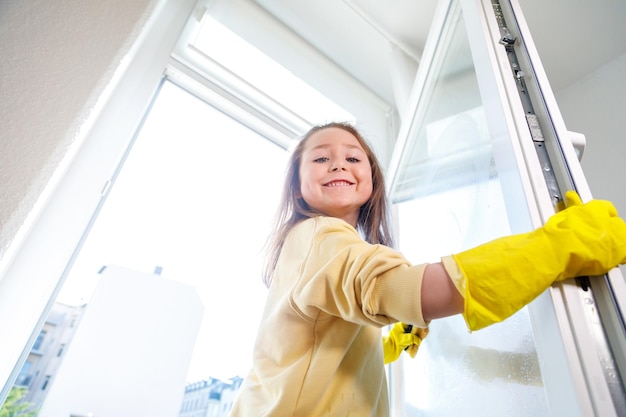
352,159
321,159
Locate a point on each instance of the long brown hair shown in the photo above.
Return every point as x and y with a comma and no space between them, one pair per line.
373,222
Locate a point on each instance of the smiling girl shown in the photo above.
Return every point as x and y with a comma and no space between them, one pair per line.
334,281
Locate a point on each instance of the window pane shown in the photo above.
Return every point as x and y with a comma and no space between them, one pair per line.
39,340
220,44
450,198
24,377
185,221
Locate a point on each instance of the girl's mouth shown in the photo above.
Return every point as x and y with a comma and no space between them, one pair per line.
338,183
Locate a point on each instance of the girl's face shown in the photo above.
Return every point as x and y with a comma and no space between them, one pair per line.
335,174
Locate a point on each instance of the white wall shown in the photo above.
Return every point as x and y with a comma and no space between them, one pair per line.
131,353
57,58
596,107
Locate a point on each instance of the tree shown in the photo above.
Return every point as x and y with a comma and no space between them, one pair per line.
14,406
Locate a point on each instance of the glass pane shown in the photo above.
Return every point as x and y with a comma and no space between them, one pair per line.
449,198
220,44
168,280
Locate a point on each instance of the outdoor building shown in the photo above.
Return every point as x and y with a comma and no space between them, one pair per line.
48,351
210,398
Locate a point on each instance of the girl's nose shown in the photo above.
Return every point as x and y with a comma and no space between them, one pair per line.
336,166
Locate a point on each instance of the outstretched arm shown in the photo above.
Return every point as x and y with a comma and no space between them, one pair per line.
492,281
440,298
498,278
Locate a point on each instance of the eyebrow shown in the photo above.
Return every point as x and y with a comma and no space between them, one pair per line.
324,146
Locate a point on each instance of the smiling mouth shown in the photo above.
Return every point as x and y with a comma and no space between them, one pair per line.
339,183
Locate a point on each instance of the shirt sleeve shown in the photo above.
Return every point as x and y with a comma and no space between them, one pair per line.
344,276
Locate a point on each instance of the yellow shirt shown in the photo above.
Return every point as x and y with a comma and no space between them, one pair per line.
318,350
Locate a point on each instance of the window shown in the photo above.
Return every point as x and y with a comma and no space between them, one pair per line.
46,380
221,45
24,377
40,338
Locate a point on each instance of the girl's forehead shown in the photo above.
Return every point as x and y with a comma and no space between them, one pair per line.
332,136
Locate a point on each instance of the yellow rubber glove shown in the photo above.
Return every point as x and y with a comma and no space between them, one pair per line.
402,337
500,277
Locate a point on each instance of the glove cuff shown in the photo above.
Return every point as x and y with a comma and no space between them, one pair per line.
455,274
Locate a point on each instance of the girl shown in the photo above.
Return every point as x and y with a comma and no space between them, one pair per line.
334,281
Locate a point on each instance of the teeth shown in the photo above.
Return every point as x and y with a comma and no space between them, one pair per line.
338,184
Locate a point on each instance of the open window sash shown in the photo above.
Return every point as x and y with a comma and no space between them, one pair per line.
483,152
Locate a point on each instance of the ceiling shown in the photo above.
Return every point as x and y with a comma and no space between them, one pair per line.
573,37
